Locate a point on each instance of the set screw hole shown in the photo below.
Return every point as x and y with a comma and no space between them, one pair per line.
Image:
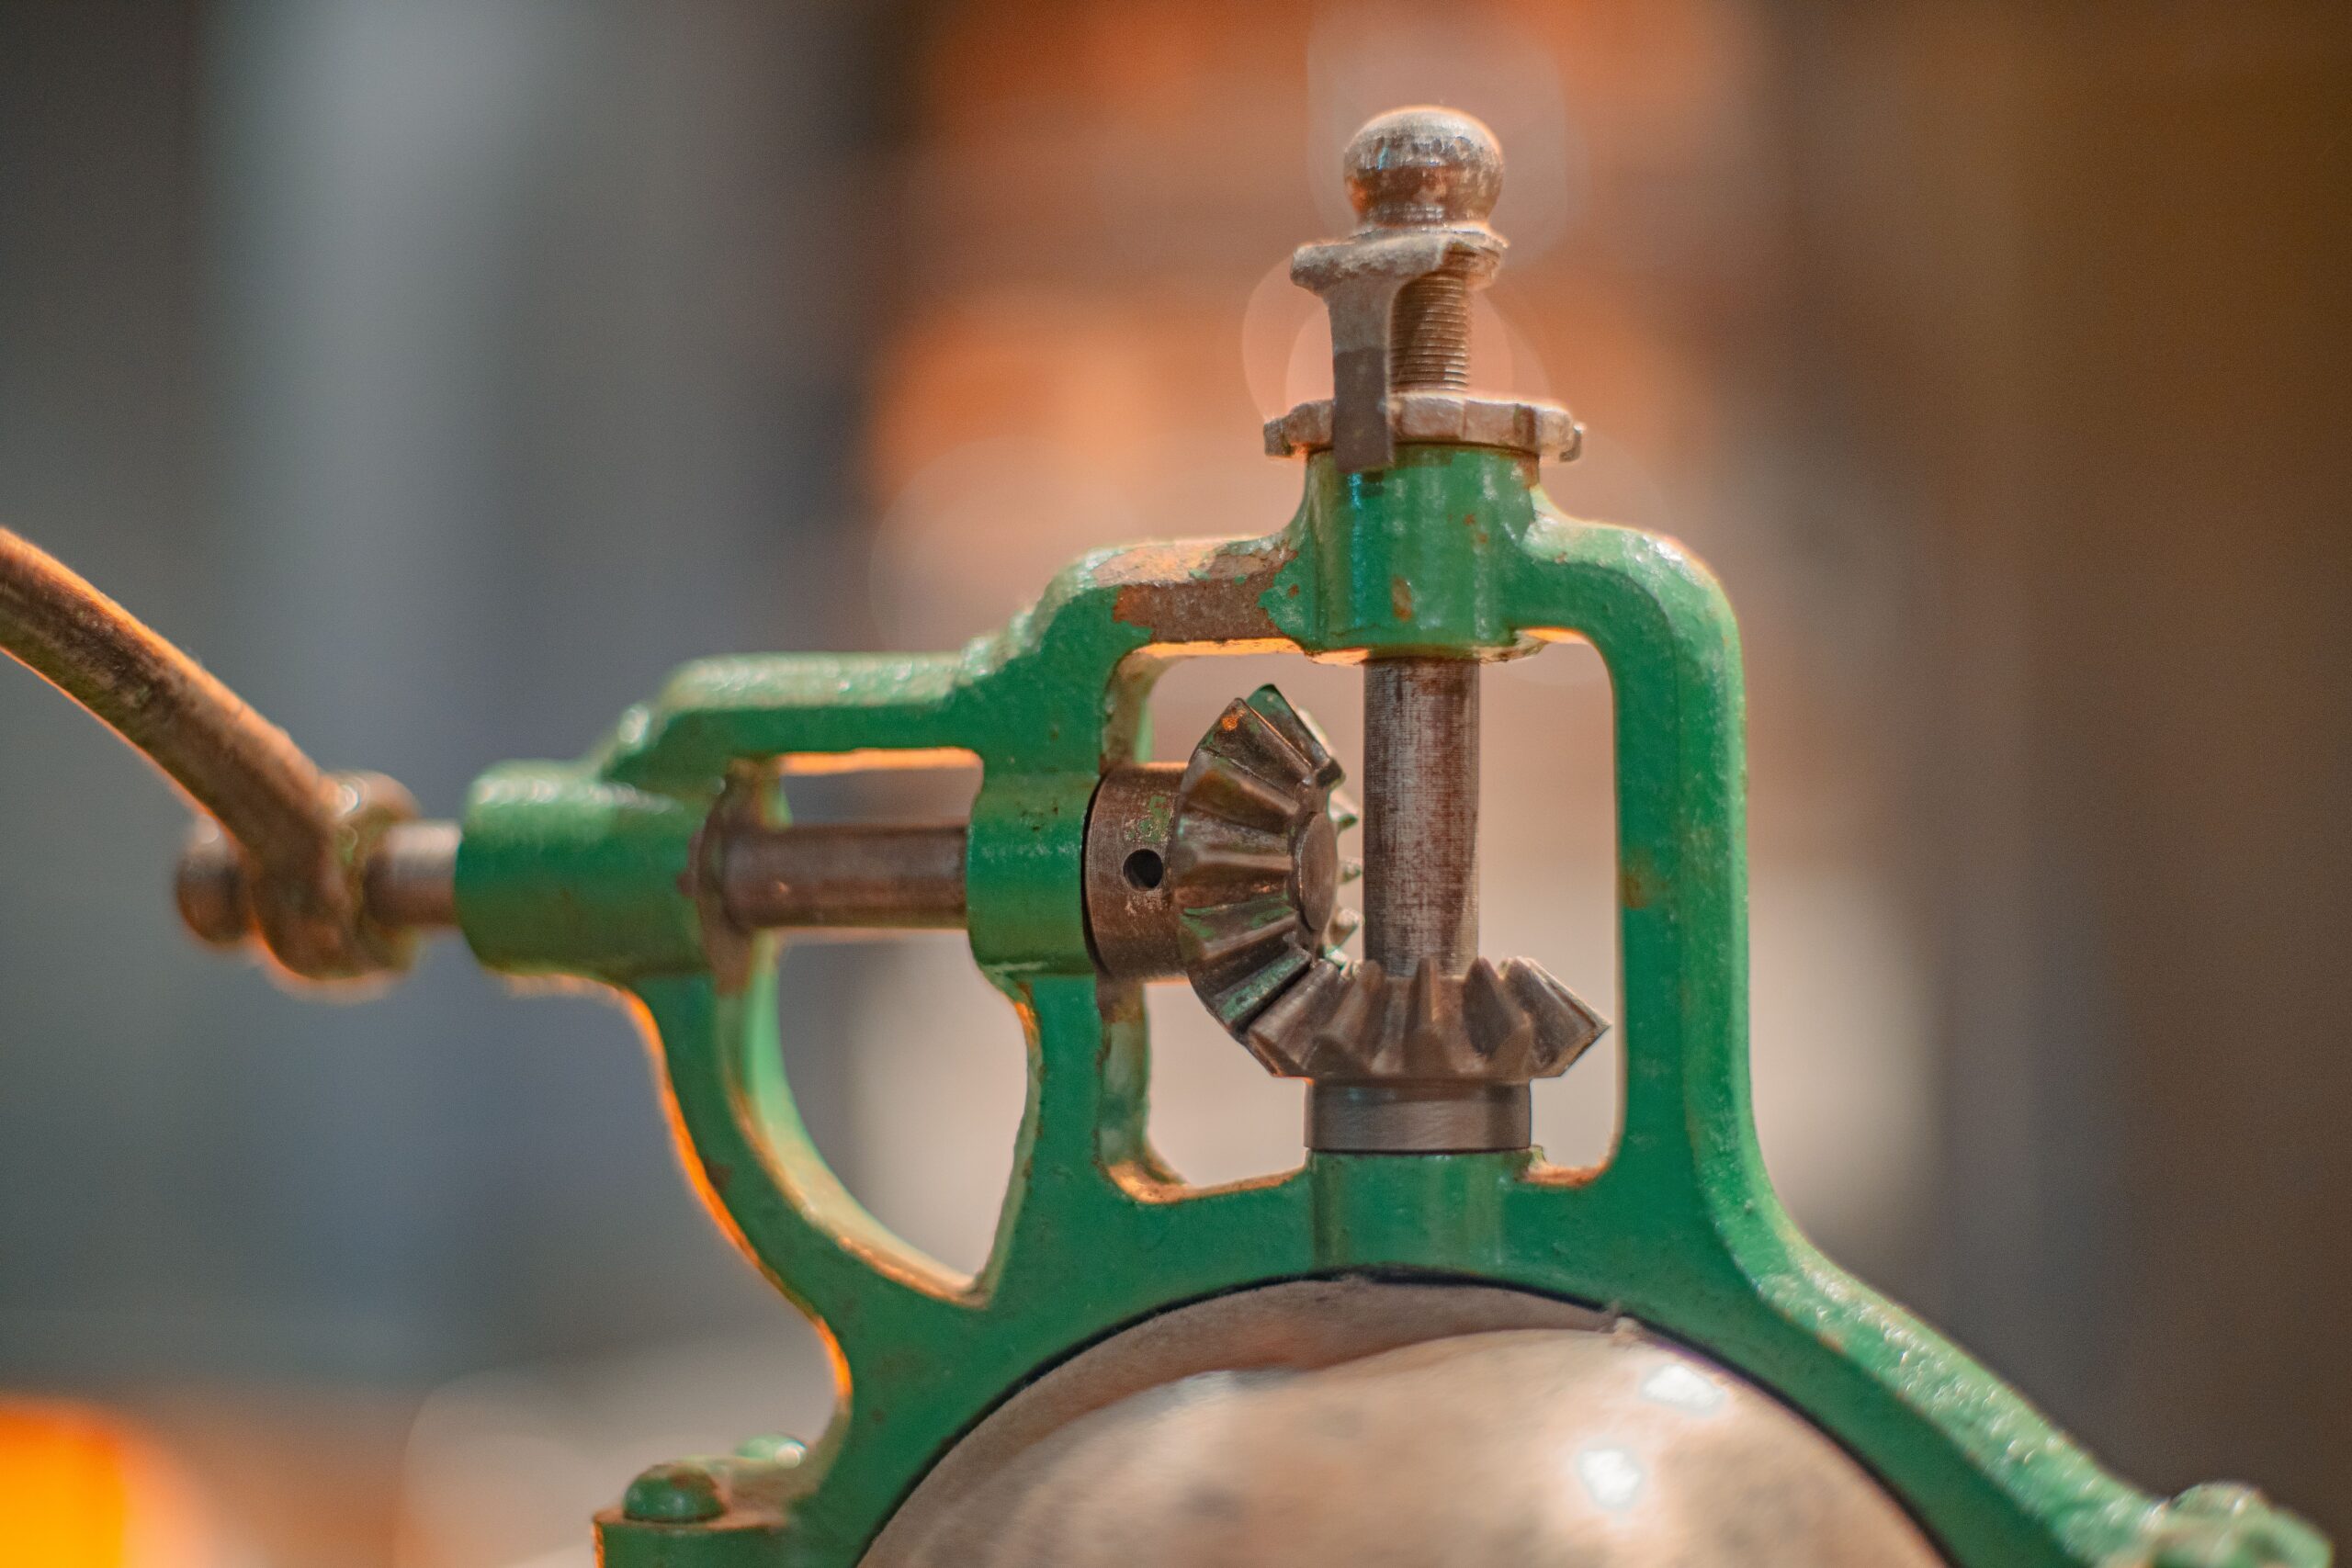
1144,869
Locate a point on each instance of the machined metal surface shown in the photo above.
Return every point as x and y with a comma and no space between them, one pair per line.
1416,1118
1130,917
1488,1437
411,878
1420,814
848,877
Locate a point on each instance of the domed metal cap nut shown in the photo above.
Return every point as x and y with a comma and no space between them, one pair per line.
1421,166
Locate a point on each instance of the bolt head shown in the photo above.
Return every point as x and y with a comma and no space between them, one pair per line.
1416,168
682,1492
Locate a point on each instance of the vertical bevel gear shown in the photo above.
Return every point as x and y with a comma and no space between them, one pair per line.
1253,865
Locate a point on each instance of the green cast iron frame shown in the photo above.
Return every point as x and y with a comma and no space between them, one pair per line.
595,870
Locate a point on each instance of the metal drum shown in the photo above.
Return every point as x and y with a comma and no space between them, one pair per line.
1527,1433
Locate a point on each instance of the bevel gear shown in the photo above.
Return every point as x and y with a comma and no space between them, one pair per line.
1253,864
1352,1022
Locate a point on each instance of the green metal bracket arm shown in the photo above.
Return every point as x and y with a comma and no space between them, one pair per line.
589,869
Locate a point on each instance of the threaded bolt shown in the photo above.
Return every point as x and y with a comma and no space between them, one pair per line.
1423,168
1429,343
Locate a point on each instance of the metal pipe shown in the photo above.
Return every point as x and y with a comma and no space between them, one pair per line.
845,876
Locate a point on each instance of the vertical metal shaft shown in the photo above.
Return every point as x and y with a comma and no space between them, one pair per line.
1421,818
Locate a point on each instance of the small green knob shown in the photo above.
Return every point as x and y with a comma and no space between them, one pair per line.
680,1493
776,1449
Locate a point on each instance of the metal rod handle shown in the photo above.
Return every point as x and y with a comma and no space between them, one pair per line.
301,833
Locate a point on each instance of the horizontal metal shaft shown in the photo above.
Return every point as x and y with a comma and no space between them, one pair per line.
845,876
838,877
408,883
410,878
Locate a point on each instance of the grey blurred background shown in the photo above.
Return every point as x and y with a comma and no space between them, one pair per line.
442,373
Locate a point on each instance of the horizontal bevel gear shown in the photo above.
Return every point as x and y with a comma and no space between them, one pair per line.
1356,1023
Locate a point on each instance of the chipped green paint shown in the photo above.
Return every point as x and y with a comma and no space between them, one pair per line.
588,870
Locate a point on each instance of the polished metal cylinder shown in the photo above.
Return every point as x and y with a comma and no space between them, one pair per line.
1417,1118
1130,916
410,878
1421,813
845,876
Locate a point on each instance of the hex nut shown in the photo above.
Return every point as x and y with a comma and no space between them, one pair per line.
1515,424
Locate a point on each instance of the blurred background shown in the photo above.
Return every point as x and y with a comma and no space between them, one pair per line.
443,373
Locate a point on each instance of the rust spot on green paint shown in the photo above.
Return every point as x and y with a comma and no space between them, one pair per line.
1400,598
1638,884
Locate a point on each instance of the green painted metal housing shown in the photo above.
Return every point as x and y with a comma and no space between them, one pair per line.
593,870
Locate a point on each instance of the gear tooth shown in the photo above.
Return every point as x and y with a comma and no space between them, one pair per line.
1565,1028
1345,812
1299,732
1501,1031
1206,870
1344,924
1430,1032
1222,787
1382,1052
1281,1036
1205,838
1216,937
1254,985
1351,871
1347,1038
1245,737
